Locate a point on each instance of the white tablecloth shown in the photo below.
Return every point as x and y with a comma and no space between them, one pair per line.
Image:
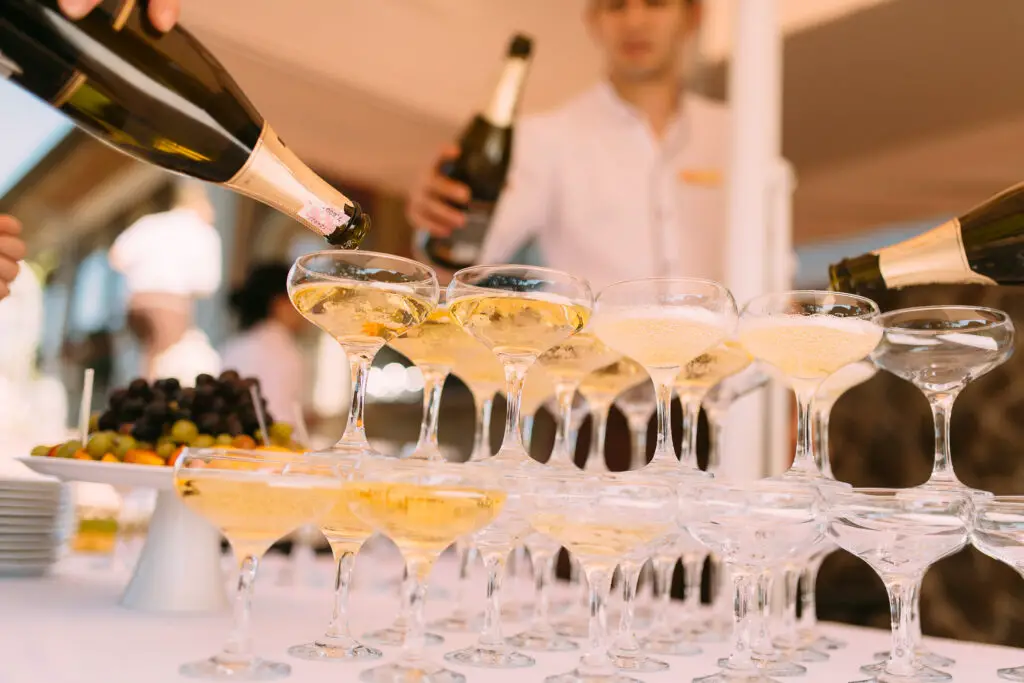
68,628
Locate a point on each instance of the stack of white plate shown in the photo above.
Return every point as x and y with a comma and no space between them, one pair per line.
30,522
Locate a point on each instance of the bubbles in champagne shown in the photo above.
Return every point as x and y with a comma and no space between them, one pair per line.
661,336
808,346
368,315
576,357
524,326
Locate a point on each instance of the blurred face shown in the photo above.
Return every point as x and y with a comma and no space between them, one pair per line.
641,39
282,311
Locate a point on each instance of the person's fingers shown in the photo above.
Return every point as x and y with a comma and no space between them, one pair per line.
9,225
448,153
164,14
11,248
8,270
76,9
446,189
422,219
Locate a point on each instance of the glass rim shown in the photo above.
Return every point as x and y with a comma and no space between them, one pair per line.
884,496
431,274
697,280
997,503
1003,318
458,282
877,310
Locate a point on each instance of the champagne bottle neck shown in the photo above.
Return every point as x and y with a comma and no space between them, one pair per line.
275,176
503,105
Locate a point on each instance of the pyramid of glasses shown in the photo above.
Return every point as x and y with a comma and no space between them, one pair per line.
541,336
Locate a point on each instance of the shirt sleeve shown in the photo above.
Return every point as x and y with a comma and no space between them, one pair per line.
526,202
208,263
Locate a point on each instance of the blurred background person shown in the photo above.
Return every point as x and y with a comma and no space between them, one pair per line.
12,250
266,346
636,155
169,260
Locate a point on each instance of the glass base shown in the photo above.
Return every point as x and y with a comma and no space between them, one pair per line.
781,668
919,674
250,670
490,659
458,623
953,485
702,631
517,611
340,651
577,627
395,637
638,662
420,672
796,649
826,642
542,639
1014,674
670,646
731,676
577,676
922,655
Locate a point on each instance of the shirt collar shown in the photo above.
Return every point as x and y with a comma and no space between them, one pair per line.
678,128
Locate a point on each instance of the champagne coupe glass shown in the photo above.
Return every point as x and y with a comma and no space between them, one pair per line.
752,526
600,388
423,507
638,405
663,324
253,498
821,408
435,346
627,652
345,533
601,519
999,533
567,364
518,312
494,543
940,349
900,533
363,300
717,403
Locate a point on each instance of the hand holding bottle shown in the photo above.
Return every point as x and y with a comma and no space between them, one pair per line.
433,200
12,250
163,13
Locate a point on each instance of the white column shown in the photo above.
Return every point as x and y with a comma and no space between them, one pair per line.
758,431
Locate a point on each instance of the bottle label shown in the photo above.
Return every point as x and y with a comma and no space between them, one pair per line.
325,218
933,257
8,67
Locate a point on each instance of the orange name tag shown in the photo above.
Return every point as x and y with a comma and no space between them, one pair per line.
707,177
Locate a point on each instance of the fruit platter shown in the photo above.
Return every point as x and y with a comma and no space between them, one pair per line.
134,443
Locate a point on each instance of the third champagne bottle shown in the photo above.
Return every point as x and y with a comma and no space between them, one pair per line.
983,246
164,99
485,150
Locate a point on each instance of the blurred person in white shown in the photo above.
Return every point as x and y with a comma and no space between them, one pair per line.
266,346
169,260
623,181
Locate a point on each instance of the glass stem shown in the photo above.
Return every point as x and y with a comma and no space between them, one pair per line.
528,432
808,593
466,553
664,568
763,637
819,417
626,639
543,567
359,361
804,460
562,454
791,595
720,587
433,385
690,403
716,437
664,450
638,438
599,429
416,573
942,410
238,648
482,435
596,661
490,636
338,628
742,640
693,572
515,376
903,593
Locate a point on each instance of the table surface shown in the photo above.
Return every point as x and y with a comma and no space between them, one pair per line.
68,628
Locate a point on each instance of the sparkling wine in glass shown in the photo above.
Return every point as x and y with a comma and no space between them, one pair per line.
518,312
363,300
254,498
423,507
600,388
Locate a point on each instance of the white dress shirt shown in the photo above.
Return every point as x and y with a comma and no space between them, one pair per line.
185,359
608,200
269,352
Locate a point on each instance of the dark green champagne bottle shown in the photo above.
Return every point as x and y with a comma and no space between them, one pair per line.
164,99
485,151
983,246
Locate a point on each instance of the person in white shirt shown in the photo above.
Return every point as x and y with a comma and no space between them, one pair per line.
266,347
623,181
169,260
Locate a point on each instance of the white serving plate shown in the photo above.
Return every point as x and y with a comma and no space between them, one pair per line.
118,474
